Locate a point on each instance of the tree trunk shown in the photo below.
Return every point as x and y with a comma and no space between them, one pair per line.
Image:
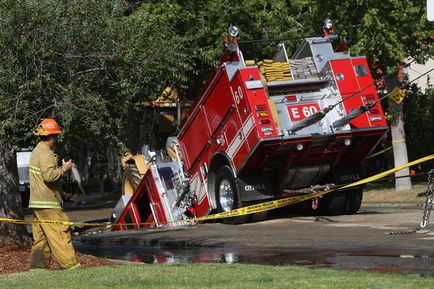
10,199
400,156
399,145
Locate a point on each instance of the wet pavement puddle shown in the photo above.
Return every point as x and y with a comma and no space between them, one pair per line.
374,261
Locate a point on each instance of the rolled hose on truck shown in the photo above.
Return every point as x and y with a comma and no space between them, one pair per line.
257,208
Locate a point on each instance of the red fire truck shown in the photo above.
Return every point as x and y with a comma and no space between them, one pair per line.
261,130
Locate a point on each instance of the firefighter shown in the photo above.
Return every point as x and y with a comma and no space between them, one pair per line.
46,202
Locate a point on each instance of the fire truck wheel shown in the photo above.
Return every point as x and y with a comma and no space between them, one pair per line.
333,204
354,201
227,195
130,180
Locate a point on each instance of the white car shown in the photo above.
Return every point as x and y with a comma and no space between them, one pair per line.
23,162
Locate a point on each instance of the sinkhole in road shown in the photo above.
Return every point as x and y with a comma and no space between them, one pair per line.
375,261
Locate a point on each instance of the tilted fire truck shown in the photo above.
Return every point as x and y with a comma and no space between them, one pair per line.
260,131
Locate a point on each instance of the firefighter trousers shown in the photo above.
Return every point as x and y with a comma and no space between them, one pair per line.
52,239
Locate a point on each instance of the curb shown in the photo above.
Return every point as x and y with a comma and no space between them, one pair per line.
392,205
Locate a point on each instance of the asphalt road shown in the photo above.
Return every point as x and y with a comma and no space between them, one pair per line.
356,242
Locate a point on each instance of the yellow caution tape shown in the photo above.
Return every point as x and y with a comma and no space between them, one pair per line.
380,152
30,222
297,199
257,208
389,172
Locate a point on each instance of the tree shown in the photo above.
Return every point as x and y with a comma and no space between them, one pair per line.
75,61
387,32
205,22
419,125
44,75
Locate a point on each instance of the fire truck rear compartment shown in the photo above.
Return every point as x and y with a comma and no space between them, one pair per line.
303,162
312,82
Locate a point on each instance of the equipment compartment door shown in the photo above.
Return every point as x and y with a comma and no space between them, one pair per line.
345,77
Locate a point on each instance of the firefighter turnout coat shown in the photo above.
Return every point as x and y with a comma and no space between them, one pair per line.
45,175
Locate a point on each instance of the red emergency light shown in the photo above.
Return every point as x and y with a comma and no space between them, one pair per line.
260,107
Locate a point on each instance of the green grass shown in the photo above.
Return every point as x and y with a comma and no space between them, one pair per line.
385,193
217,276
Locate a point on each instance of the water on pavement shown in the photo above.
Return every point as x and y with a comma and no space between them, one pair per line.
359,261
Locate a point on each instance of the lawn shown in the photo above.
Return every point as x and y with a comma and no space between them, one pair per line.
219,276
385,193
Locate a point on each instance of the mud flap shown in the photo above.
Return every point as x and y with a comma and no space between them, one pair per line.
254,188
347,175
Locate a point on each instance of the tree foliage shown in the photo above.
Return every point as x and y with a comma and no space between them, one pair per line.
84,63
384,31
419,112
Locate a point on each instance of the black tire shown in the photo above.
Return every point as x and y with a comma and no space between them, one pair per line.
354,201
227,195
333,204
131,179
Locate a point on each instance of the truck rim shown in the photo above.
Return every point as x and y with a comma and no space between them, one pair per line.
226,195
